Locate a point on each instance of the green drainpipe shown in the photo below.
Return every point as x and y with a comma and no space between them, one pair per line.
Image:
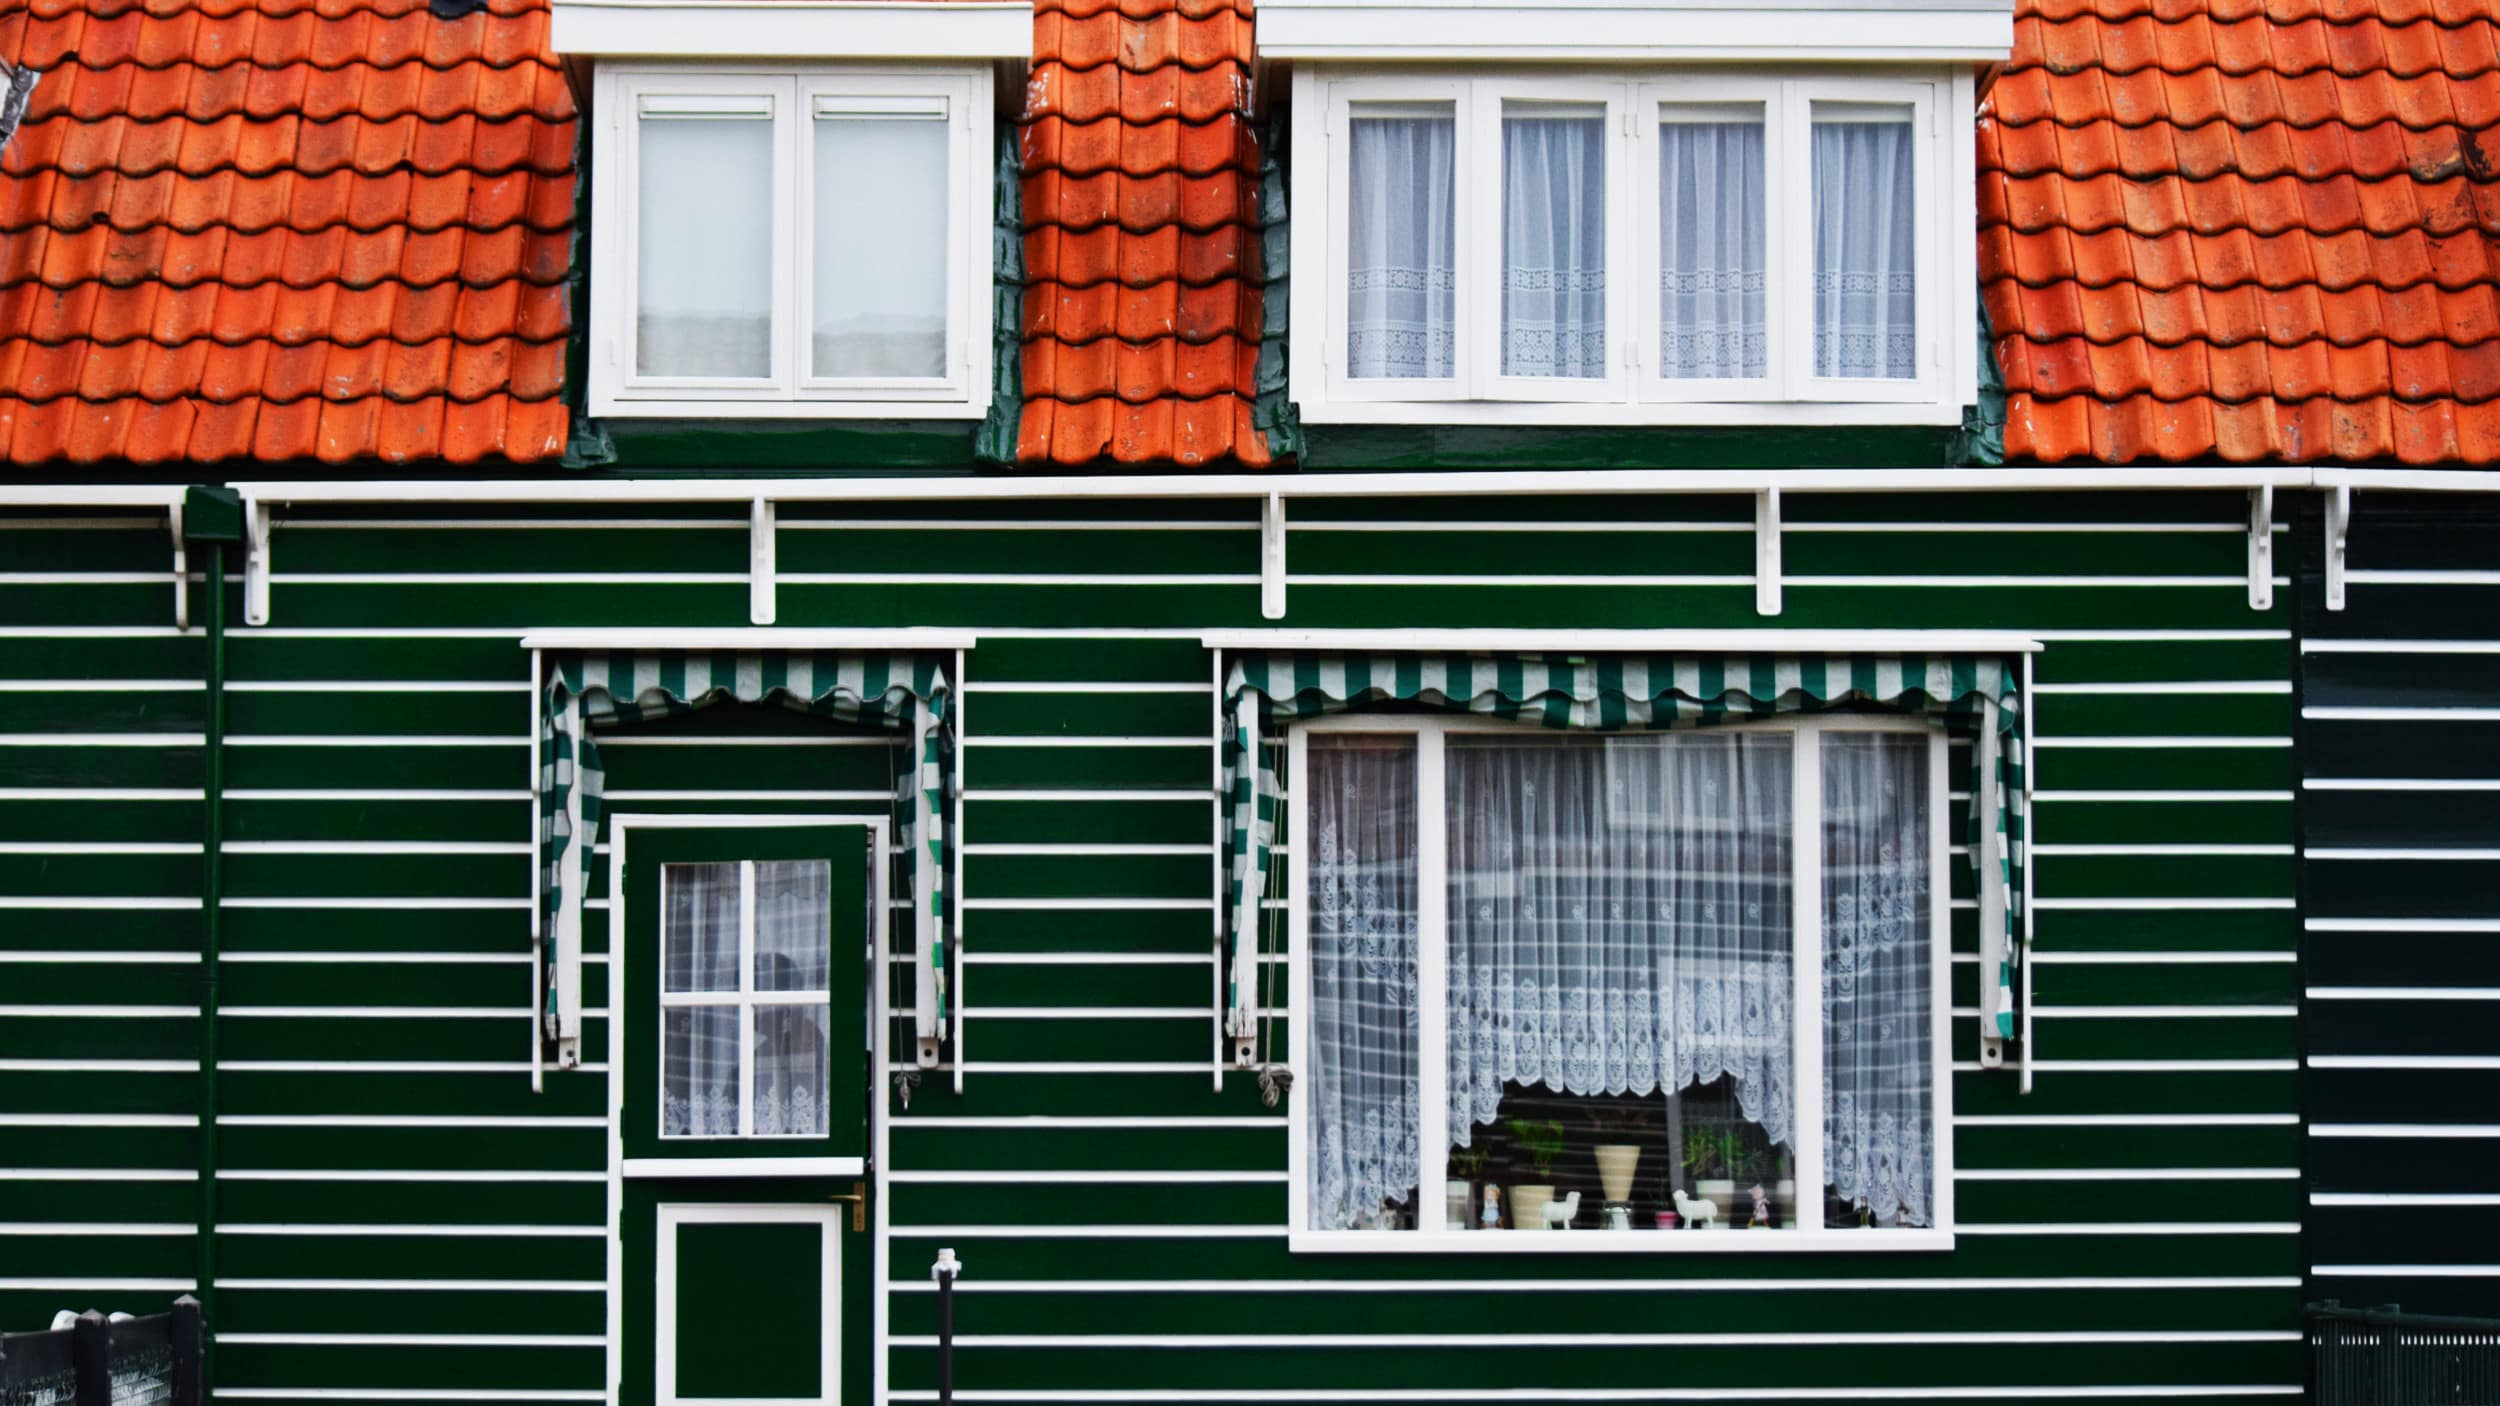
212,518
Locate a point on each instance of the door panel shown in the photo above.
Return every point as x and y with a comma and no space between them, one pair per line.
744,1294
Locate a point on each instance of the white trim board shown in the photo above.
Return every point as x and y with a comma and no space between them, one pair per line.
1619,30
794,29
665,641
1632,641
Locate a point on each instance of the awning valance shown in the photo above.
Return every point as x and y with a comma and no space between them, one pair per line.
1975,693
587,690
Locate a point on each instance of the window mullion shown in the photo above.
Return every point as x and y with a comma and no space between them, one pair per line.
790,302
1432,972
746,997
1806,982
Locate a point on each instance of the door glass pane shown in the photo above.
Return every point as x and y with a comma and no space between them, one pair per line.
1402,242
1620,981
792,898
1713,270
1554,239
704,245
791,1067
880,255
699,927
1878,992
699,1071
1365,1125
1865,241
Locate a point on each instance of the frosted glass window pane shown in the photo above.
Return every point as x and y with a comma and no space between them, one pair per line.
704,247
792,899
880,247
1865,255
1554,240
699,1071
792,1065
1402,243
1713,270
699,927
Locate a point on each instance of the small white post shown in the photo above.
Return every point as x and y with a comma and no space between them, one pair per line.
182,568
1272,558
255,562
2338,537
760,567
1766,552
2261,548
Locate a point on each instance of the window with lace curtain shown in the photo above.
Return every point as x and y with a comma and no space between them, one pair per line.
1654,985
746,1002
1634,248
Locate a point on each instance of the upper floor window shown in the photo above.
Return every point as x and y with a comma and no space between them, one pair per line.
809,241
1632,249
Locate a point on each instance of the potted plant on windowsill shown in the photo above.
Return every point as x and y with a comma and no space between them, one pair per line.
1712,1160
1540,1141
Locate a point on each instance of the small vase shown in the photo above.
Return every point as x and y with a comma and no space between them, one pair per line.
1616,1162
1527,1206
1460,1197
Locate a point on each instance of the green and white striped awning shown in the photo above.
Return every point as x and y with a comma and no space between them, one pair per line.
1977,693
587,690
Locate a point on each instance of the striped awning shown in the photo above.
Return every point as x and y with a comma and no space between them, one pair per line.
1979,694
587,690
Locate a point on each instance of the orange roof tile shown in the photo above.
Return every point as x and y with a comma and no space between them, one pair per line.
287,229
1141,236
2246,230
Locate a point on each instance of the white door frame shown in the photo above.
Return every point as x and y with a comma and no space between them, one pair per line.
620,829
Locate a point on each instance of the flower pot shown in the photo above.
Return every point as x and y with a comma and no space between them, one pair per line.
1722,1190
1616,1162
1460,1197
1527,1206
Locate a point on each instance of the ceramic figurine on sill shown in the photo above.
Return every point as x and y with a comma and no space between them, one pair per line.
1560,1214
1492,1217
1697,1213
1761,1208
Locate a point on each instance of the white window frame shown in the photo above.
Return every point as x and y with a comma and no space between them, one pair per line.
795,95
1806,1024
745,998
1635,393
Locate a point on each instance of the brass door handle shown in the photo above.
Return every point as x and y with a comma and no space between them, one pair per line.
858,1197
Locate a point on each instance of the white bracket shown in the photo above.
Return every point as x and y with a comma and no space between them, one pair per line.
255,562
2261,548
2338,536
182,569
1766,552
1272,558
760,567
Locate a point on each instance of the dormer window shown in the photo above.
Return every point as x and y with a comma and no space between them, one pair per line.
1630,247
800,241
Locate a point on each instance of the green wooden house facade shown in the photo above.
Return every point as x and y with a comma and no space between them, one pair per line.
370,829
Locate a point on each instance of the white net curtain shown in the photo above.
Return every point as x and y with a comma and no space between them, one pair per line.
1865,242
1714,320
1876,1016
1402,254
1554,240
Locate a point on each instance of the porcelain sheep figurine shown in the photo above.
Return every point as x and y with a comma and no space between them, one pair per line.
1559,1214
1696,1213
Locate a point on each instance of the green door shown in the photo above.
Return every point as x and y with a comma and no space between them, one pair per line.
744,1048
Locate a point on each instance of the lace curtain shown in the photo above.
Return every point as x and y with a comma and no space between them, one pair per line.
1554,241
1402,247
1364,1092
703,260
1876,1032
1865,269
701,919
1619,920
1713,267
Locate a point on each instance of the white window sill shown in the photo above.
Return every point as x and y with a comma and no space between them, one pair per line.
760,1165
609,408
1662,414
1617,1242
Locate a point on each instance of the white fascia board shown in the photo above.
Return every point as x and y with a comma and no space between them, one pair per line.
646,641
1597,31
1771,641
794,29
91,495
1113,487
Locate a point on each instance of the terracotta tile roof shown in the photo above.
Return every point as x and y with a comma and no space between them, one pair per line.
1141,236
333,229
2246,229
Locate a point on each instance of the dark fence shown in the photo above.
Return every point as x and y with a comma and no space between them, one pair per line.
2386,1357
151,1361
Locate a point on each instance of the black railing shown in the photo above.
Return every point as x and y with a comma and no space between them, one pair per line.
96,1361
2386,1357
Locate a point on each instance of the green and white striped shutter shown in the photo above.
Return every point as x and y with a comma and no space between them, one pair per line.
589,690
1629,693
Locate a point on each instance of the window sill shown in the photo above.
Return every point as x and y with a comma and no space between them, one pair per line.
613,408
1662,414
1602,1242
762,1164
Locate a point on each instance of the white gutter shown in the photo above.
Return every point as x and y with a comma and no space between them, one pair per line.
761,495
